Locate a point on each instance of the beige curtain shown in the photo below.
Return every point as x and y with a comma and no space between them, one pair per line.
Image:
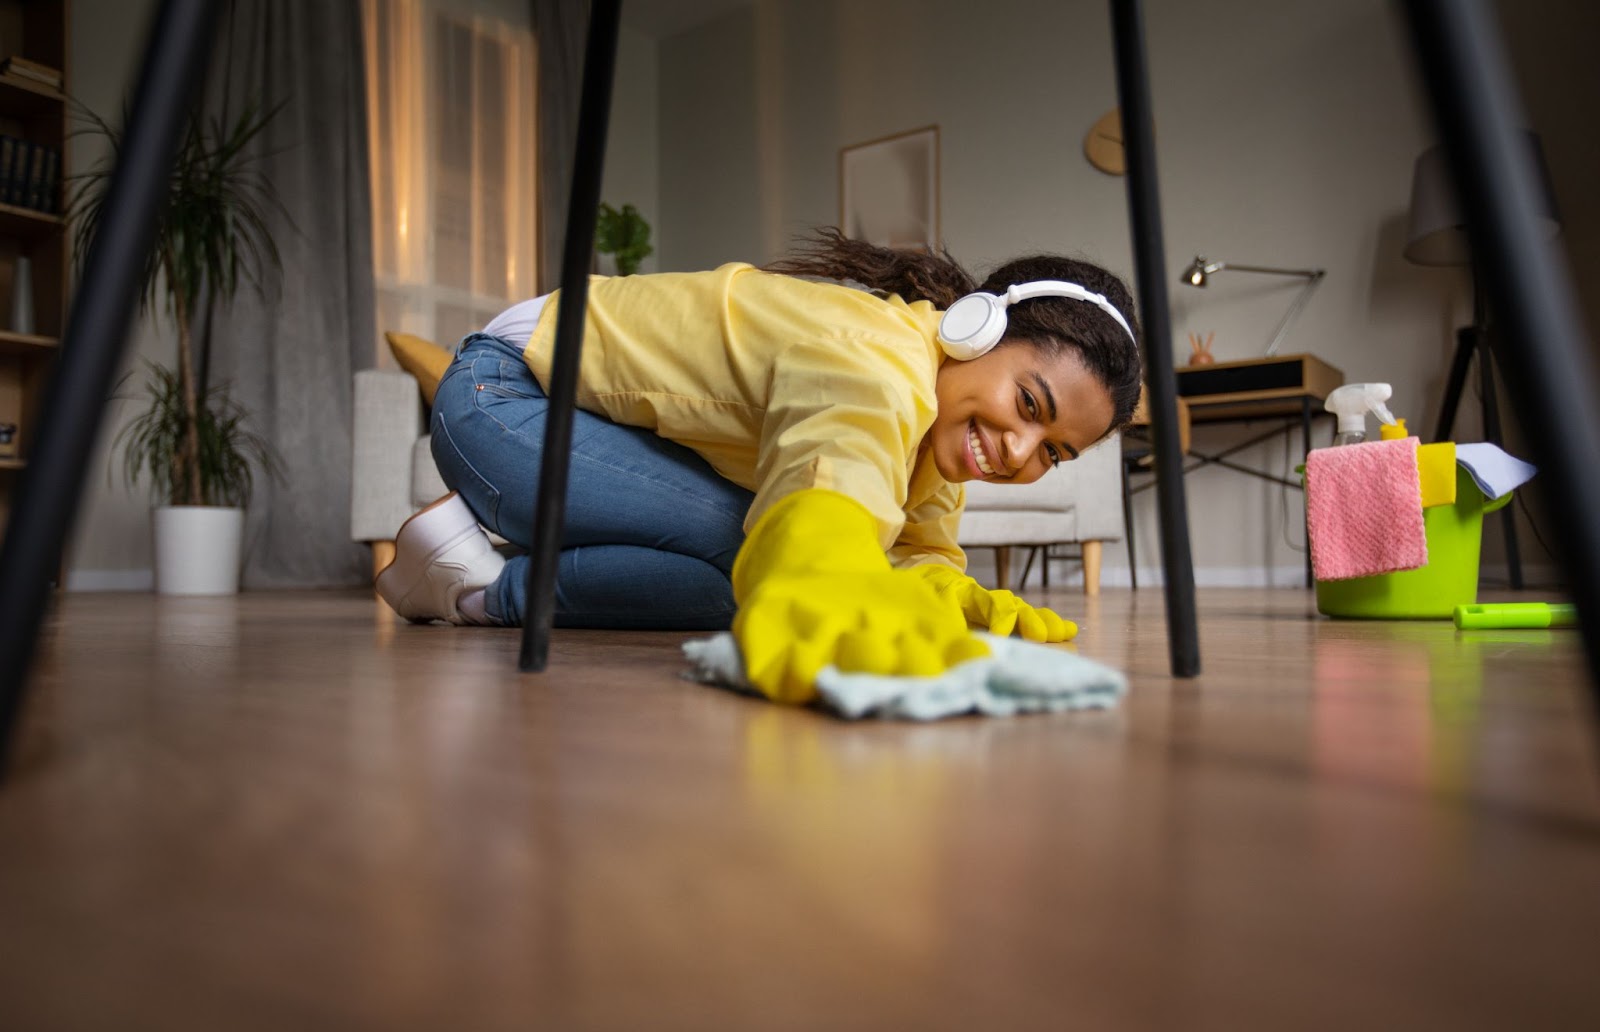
452,111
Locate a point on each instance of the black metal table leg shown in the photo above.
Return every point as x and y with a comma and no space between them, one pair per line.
51,486
1144,209
1305,450
1127,526
594,113
1548,370
1491,433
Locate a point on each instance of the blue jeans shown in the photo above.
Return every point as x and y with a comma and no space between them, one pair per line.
651,529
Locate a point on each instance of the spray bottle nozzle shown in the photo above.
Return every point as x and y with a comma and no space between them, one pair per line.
1353,401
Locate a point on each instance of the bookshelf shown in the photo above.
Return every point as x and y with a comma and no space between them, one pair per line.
33,115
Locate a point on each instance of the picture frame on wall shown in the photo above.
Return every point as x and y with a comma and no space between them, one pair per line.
889,190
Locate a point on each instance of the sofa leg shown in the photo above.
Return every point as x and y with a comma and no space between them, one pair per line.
1002,568
382,556
1091,567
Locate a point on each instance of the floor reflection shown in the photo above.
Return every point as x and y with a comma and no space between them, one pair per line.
1405,701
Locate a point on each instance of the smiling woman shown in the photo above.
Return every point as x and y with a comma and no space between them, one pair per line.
1000,418
776,448
1060,371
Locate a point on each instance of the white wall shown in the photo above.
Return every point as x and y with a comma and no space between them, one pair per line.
633,142
1286,134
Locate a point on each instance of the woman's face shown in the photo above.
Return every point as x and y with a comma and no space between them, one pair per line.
1010,415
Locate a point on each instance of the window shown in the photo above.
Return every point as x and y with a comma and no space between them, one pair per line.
451,108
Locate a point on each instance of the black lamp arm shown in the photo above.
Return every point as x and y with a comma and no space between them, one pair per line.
1313,277
1311,274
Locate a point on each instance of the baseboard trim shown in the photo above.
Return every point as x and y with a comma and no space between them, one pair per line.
1110,576
1204,577
110,580
1498,575
1490,576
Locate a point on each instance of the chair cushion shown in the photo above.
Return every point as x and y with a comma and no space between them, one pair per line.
1085,495
989,528
423,359
1052,492
427,485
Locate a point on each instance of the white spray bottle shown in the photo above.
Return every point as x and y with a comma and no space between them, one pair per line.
1351,403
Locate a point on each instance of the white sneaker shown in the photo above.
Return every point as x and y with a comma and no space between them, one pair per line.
439,554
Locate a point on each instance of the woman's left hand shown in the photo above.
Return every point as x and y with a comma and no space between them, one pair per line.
1000,612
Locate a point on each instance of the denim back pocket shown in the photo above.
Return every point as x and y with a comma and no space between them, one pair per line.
507,393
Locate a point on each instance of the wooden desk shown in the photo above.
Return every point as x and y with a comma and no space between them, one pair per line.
1290,388
1275,387
1286,389
1141,419
1293,388
1280,386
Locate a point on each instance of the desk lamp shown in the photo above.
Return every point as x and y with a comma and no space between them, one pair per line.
1199,272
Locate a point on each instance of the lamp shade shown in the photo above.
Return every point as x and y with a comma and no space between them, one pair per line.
1437,231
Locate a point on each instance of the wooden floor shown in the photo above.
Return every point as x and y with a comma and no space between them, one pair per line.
290,811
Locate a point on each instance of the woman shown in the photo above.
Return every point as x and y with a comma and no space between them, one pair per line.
779,448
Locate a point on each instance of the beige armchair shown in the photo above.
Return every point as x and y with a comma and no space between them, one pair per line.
1078,503
392,470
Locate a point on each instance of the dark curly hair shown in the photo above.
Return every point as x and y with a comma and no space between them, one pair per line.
1053,325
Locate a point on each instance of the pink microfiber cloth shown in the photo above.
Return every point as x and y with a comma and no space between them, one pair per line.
1364,509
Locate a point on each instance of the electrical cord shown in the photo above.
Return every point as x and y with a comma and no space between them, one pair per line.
1476,386
1283,498
1528,514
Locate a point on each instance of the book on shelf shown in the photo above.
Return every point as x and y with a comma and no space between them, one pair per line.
11,152
32,70
29,174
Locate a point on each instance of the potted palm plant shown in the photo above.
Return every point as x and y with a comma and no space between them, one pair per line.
193,442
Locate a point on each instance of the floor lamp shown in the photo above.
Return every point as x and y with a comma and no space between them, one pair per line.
1437,235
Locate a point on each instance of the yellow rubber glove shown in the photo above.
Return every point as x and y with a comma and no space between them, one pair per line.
815,588
1000,612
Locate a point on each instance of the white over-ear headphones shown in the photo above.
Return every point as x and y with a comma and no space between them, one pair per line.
975,323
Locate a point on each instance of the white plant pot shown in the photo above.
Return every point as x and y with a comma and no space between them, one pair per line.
197,549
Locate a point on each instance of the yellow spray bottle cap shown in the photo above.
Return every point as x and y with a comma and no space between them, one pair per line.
1393,433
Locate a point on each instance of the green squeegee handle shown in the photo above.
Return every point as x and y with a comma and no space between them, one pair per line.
1516,614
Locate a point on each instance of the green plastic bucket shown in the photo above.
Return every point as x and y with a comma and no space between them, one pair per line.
1431,592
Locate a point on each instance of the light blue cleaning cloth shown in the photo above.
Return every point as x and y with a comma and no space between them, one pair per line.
1493,470
1018,677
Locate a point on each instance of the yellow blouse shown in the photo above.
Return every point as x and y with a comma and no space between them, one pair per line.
781,384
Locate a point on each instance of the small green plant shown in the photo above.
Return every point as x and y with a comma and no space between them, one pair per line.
211,238
624,234
223,446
